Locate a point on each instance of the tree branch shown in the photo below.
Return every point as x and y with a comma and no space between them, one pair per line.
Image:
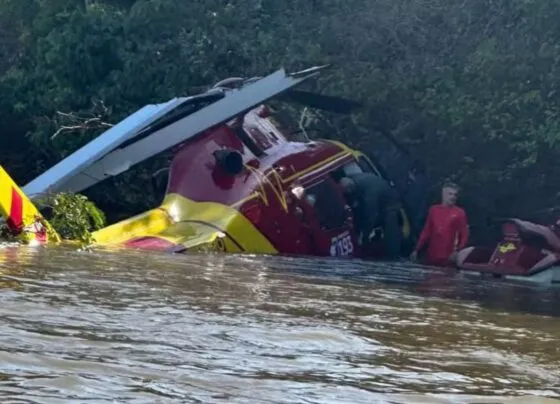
73,122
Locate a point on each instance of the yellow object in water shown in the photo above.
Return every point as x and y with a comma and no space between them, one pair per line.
22,216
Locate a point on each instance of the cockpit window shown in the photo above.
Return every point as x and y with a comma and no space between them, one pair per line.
352,168
366,166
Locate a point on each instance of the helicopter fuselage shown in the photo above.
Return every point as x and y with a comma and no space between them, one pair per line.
244,187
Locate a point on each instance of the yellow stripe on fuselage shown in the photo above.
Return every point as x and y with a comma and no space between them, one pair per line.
29,213
151,222
316,166
221,218
296,175
6,184
185,222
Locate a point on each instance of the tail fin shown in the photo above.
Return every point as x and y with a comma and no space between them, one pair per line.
22,217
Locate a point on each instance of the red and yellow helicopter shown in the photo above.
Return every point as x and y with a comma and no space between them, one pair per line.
236,182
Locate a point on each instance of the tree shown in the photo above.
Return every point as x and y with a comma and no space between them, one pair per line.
469,86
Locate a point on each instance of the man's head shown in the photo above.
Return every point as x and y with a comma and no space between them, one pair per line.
348,185
449,193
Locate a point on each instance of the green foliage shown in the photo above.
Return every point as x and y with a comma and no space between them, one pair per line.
5,234
73,216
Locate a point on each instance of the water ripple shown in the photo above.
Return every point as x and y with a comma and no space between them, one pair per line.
129,327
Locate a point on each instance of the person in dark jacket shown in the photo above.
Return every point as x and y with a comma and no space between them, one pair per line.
374,203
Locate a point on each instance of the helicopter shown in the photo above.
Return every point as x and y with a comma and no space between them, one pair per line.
237,181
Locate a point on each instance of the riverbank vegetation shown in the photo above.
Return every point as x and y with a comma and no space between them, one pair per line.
470,87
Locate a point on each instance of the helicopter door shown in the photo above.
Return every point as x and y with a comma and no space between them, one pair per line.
332,229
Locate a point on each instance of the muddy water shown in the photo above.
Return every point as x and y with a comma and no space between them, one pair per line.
108,327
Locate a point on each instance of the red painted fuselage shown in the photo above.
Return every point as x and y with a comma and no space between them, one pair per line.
319,223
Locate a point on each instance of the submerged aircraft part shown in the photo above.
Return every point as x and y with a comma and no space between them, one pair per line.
22,217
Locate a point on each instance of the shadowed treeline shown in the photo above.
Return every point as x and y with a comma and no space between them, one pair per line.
469,86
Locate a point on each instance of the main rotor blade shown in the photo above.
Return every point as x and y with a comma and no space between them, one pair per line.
321,101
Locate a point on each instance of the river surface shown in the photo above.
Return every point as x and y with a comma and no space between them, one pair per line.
129,327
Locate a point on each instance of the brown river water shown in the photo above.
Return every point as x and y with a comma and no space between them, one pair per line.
131,327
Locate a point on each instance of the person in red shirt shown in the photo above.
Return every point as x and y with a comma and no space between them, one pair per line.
446,230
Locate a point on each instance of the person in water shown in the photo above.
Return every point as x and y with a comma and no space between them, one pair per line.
373,202
446,230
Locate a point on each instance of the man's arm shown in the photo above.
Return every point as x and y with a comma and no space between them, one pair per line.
463,231
426,232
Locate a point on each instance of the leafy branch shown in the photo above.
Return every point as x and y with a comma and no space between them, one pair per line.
73,216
